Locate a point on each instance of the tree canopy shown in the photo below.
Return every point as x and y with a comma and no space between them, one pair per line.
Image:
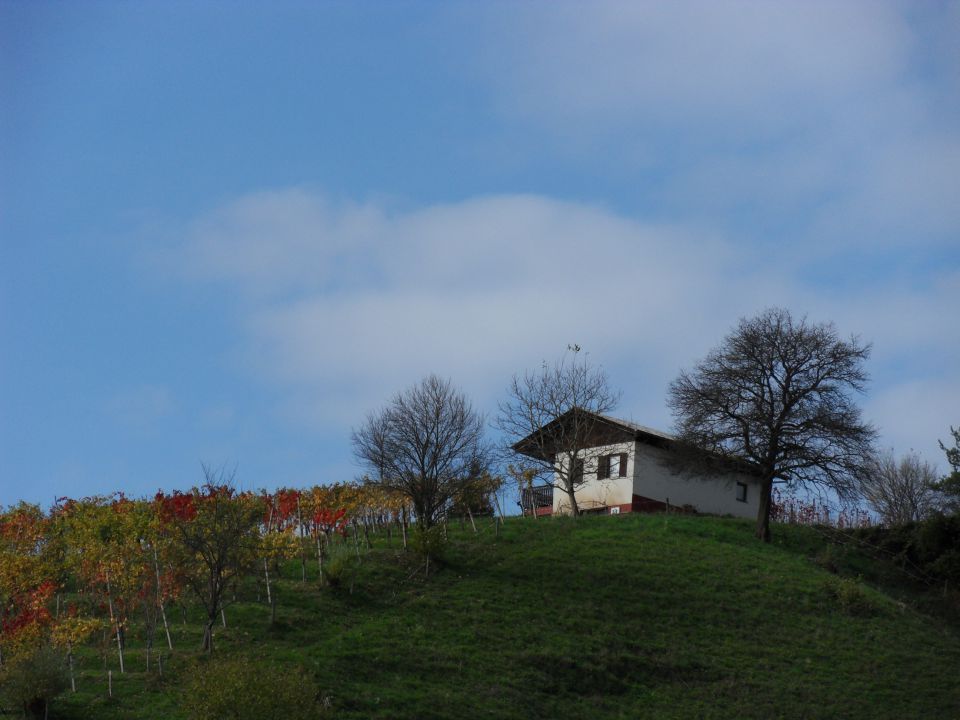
427,444
777,393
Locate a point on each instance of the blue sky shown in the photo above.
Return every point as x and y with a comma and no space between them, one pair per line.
228,231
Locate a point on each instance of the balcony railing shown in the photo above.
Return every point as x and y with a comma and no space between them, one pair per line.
539,496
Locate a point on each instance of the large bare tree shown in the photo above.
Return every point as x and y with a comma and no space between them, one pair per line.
427,444
777,394
550,420
900,491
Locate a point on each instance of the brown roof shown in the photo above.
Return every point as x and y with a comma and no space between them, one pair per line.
607,431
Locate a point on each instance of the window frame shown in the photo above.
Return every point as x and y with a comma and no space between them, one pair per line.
603,465
742,489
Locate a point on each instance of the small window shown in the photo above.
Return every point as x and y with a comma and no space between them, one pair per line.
614,465
741,492
577,474
609,466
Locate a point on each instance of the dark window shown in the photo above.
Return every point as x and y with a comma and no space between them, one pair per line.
742,492
612,466
577,475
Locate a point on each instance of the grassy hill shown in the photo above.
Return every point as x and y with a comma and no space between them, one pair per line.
600,617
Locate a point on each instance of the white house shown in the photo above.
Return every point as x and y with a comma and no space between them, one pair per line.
626,470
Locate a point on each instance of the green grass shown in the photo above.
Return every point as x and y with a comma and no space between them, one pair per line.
602,617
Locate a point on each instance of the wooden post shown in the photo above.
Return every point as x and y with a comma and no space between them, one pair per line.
496,501
266,574
110,683
223,616
114,622
403,527
163,612
470,515
319,558
303,552
73,681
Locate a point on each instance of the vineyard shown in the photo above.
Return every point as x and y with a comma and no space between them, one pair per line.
319,603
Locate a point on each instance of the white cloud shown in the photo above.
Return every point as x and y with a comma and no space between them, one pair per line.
740,67
484,288
791,143
835,123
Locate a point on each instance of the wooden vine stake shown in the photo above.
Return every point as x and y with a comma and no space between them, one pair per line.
163,612
303,551
114,622
73,680
470,515
266,574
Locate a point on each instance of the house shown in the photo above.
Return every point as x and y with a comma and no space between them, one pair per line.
627,469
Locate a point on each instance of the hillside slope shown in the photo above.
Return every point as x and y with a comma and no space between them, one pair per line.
600,617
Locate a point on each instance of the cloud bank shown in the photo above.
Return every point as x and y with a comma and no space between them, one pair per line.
341,304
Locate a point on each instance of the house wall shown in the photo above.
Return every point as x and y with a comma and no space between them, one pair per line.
715,494
600,493
650,479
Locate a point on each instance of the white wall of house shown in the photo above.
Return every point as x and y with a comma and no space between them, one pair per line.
648,476
596,493
715,494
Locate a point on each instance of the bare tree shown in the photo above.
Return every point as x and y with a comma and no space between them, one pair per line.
549,420
776,394
900,492
427,444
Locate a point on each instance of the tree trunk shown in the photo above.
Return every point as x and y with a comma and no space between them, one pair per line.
763,512
207,644
571,493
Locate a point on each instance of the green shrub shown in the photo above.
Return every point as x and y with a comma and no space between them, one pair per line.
850,595
938,546
28,683
829,558
242,688
339,564
429,542
932,545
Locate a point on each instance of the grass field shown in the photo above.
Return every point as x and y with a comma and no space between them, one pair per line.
626,616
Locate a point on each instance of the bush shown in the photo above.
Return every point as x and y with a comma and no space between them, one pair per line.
850,596
932,545
829,559
938,545
244,689
339,564
429,542
30,682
